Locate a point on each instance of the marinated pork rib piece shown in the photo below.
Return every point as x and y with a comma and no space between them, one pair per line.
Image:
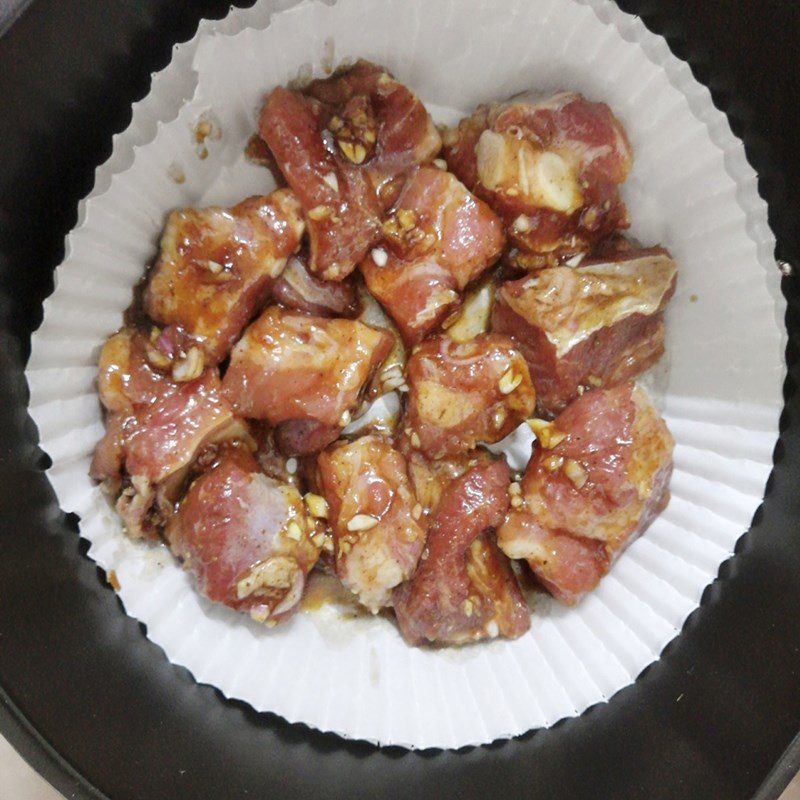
157,423
297,289
437,239
340,145
215,266
374,516
550,168
247,539
342,213
462,394
598,476
594,325
303,375
379,123
464,589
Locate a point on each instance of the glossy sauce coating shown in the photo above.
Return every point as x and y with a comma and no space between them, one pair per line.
246,538
340,207
462,394
594,325
303,370
365,100
598,476
550,168
155,427
464,589
215,267
437,239
377,526
340,144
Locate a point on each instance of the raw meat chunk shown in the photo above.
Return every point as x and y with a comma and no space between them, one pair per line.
599,475
437,239
247,539
550,168
215,267
462,394
374,513
303,375
594,325
464,589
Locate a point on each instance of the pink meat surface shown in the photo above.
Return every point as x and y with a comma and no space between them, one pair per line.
464,589
598,476
155,428
215,267
598,324
303,374
299,290
341,144
364,100
245,538
550,168
437,239
378,535
462,394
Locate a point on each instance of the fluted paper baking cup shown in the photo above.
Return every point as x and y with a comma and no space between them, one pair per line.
691,189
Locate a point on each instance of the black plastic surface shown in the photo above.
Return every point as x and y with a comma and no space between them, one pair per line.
98,709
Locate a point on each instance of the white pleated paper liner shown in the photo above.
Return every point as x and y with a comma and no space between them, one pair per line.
691,189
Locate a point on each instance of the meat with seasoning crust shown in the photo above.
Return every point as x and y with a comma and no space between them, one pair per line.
462,394
247,539
437,239
215,266
464,589
371,110
550,168
598,476
597,324
340,145
303,375
374,514
155,427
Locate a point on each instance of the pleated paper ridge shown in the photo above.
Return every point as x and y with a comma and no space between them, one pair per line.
691,189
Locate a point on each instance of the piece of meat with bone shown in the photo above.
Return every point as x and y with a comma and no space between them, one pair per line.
597,324
550,168
462,394
464,589
215,267
341,210
377,122
247,539
157,423
375,517
298,290
304,375
598,477
437,239
341,144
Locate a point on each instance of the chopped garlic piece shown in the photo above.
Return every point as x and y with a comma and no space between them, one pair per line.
362,522
380,256
575,471
190,367
509,382
317,505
